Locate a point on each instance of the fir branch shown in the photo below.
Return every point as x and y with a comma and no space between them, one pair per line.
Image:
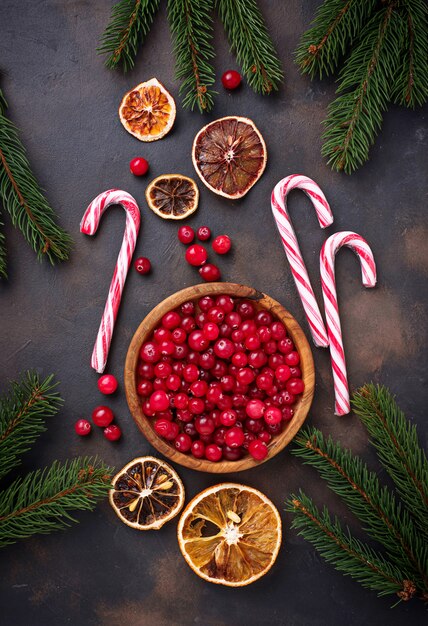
22,417
410,86
3,271
43,501
192,28
398,449
373,504
336,25
23,198
250,41
349,555
355,117
130,21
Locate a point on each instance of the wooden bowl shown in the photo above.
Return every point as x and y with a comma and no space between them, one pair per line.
262,301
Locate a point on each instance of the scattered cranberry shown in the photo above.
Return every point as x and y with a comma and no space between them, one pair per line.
222,244
186,234
203,233
139,166
143,265
102,416
107,384
112,432
82,427
231,79
210,273
196,255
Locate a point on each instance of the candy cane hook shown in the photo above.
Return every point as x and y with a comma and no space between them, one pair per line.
292,249
88,226
328,280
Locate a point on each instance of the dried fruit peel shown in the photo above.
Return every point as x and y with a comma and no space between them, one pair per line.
173,196
146,493
222,550
148,111
229,156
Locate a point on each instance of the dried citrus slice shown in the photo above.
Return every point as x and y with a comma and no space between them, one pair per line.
230,534
148,111
229,156
146,493
172,196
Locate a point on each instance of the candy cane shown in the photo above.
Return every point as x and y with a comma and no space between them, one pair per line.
328,280
88,226
292,249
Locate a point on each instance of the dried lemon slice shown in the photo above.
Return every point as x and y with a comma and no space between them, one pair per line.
230,534
146,493
173,196
148,111
229,156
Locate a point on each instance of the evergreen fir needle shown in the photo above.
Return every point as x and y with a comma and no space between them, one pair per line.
251,43
3,270
23,411
192,29
23,198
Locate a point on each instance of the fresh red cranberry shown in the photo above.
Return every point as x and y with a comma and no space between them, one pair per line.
263,318
264,381
200,319
224,402
222,244
184,415
245,376
285,345
197,341
264,436
270,347
150,352
282,373
218,437
143,265
239,359
190,373
167,347
179,335
205,303
227,383
219,369
231,79
246,310
272,415
224,348
186,234
234,437
107,384
225,302
248,327
255,409
188,324
165,414
232,454
287,413
198,449
213,452
258,450
204,424
233,319
196,255
181,400
162,369
210,273
183,442
147,409
239,400
292,358
199,388
173,382
278,330
213,393
139,166
228,417
206,360
225,330
211,331
112,432
189,429
102,416
275,360
171,320
203,233
162,334
82,427
165,428
274,429
296,372
159,401
146,370
181,351
264,334
252,342
215,315
248,438
196,406
144,388
187,308
287,397
295,386
257,359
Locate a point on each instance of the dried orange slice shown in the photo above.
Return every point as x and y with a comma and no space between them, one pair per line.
229,156
146,493
148,111
230,534
173,196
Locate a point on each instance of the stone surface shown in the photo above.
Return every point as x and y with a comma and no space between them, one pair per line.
65,103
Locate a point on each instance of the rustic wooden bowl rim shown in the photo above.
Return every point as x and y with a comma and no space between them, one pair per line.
192,293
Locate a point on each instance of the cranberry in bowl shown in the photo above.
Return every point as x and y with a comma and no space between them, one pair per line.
219,377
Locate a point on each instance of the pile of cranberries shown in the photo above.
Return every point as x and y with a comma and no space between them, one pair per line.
197,255
219,378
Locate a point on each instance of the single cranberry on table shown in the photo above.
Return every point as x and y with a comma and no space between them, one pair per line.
221,244
139,166
203,233
231,79
82,427
112,432
210,273
143,265
102,416
186,234
196,255
107,384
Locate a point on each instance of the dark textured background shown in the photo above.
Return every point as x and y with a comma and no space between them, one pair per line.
65,103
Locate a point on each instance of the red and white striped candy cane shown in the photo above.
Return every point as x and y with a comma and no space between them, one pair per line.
328,280
88,226
292,249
